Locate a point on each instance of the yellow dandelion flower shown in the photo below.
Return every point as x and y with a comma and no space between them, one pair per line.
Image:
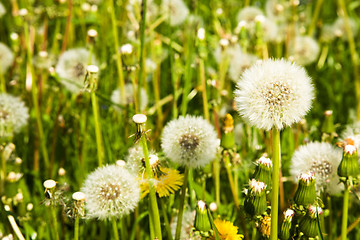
227,230
166,183
265,225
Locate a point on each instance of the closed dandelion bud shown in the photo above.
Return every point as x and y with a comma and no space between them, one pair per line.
306,192
255,201
286,225
328,124
228,138
349,165
263,171
308,224
202,222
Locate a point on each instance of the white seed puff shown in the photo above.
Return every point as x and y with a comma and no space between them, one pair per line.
111,191
274,94
190,141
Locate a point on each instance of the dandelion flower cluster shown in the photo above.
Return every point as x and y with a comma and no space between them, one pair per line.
190,141
129,97
305,50
13,113
176,10
71,68
274,93
6,58
322,159
111,191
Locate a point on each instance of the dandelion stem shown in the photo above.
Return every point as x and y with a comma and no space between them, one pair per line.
275,184
216,172
354,55
117,52
203,86
55,223
187,76
345,213
166,220
2,82
230,177
181,206
34,94
142,43
2,173
100,149
115,229
154,210
315,17
76,227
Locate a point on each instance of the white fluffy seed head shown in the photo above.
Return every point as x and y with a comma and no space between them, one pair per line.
13,113
274,94
323,160
6,58
305,50
129,97
72,66
176,10
111,191
190,141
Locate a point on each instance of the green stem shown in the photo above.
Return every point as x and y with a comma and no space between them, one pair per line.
181,206
2,173
117,52
2,82
275,184
216,177
203,86
345,213
76,228
142,43
100,148
187,76
354,54
115,228
231,180
54,219
166,220
34,94
315,17
154,212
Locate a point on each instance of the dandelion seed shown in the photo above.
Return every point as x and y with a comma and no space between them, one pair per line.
274,93
111,191
71,68
322,159
6,58
190,141
176,10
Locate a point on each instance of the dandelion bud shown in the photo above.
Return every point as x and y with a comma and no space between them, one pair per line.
286,225
308,224
201,34
126,49
61,172
328,124
306,192
9,148
349,165
202,222
228,138
263,170
92,33
255,201
213,207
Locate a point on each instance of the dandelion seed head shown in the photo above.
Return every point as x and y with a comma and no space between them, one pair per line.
239,63
6,58
274,93
72,66
176,10
2,10
111,191
190,141
249,14
305,50
322,159
340,29
13,113
129,97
